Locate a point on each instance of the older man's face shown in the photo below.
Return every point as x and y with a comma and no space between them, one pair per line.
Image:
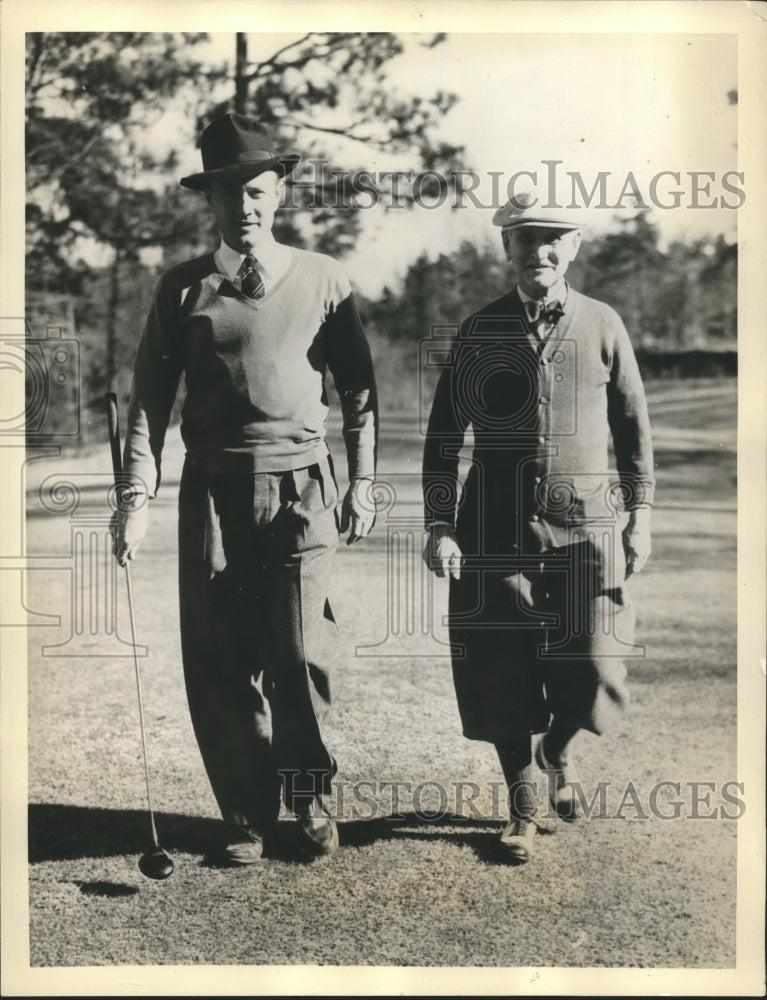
245,210
540,256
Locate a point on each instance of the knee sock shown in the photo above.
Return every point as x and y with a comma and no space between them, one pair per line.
516,760
556,743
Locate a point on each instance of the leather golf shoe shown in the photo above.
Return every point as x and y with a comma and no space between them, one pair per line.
517,838
245,848
318,832
560,779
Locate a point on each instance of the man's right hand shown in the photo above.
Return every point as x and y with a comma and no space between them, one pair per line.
128,529
442,553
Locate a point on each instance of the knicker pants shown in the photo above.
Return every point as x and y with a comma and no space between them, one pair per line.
547,640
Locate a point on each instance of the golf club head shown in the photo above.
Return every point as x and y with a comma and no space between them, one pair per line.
156,864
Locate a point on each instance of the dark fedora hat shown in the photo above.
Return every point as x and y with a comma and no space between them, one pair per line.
237,148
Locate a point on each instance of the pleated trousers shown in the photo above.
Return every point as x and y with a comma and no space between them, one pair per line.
257,632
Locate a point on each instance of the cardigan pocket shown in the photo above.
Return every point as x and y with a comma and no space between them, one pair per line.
590,498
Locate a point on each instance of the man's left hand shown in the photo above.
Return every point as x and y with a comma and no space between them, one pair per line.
358,510
636,540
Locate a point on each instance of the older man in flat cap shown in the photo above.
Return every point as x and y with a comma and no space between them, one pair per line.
544,538
255,326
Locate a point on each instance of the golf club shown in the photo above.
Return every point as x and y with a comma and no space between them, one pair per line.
155,863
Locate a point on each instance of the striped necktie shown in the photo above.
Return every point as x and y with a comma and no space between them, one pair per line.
251,282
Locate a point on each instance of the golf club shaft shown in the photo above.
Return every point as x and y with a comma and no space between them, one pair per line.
140,702
114,444
114,436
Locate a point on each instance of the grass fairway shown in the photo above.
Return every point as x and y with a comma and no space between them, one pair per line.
407,888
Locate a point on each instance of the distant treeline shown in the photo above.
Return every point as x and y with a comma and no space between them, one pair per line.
679,305
105,214
670,299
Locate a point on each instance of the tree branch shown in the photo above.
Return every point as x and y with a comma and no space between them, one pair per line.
345,133
73,161
336,45
272,60
39,46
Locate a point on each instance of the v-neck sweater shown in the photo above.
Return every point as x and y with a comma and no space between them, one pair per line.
255,371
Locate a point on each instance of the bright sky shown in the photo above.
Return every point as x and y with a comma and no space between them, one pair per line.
615,103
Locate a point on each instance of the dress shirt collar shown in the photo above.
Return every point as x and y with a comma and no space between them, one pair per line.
273,259
556,294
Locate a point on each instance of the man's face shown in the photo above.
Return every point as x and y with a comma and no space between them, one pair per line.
540,256
245,210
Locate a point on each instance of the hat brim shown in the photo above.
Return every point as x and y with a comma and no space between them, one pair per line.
283,165
541,224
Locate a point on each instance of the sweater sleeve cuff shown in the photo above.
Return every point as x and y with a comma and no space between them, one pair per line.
637,493
143,478
361,466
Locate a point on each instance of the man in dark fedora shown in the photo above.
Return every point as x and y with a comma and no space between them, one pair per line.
255,327
544,538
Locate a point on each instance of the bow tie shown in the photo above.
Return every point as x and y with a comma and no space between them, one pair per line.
551,312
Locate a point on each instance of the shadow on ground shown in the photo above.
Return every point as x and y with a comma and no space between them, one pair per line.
480,835
109,890
66,832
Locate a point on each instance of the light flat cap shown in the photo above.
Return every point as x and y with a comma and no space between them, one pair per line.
525,209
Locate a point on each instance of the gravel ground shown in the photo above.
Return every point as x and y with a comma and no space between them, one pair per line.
420,882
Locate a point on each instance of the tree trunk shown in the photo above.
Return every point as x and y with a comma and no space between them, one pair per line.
240,71
114,295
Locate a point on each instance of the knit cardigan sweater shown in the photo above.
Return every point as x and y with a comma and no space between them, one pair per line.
255,371
542,414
